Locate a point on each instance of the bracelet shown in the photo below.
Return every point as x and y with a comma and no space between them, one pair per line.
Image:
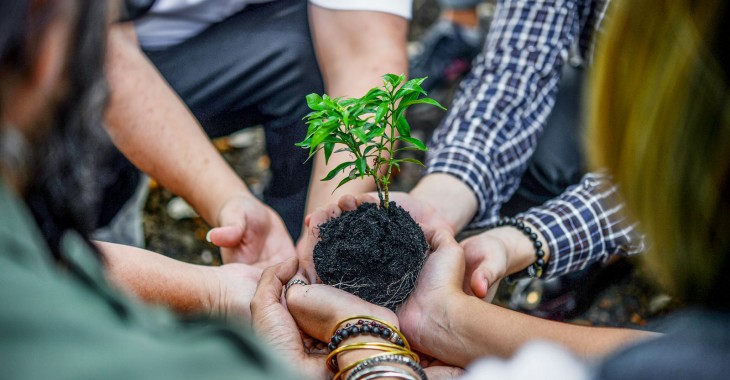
535,269
387,358
393,338
364,327
384,371
390,348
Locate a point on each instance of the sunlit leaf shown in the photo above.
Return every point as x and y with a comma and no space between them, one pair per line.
416,142
333,173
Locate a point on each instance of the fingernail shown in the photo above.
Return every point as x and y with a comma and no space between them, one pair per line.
207,236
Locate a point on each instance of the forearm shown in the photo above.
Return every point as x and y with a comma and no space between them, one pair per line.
157,279
355,49
488,330
452,199
586,224
155,130
496,119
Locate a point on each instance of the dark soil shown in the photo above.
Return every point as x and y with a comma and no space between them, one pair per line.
373,253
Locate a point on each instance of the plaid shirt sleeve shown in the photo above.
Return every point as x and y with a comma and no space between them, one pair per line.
584,225
496,118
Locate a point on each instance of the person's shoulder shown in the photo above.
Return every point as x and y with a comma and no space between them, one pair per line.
697,346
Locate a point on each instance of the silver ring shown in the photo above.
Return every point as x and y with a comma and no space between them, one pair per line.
293,281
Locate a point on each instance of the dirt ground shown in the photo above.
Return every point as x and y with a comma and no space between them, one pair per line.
618,295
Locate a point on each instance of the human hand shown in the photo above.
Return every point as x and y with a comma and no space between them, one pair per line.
486,264
251,233
495,254
310,237
272,321
423,317
421,211
318,308
231,288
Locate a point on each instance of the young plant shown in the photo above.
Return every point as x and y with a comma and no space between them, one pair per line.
368,128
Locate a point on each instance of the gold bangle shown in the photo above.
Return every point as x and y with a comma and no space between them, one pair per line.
386,324
385,347
343,371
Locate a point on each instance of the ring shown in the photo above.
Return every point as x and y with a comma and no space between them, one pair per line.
293,281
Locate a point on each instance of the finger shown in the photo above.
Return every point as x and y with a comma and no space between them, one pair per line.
366,198
347,202
333,211
268,290
317,218
227,236
443,372
428,233
479,283
441,239
306,221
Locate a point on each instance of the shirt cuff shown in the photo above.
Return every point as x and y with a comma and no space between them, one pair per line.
583,226
402,8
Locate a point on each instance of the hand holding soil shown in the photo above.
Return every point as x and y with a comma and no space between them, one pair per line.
440,282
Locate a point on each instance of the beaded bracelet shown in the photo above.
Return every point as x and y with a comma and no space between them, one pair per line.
395,336
535,269
364,327
386,358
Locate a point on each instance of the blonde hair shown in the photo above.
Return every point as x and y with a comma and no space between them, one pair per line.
660,123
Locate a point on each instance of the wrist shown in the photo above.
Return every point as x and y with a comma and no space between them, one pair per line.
435,189
522,249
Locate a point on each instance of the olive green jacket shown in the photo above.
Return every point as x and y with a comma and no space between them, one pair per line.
57,323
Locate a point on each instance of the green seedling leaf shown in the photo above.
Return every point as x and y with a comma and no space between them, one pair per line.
411,160
402,125
333,173
382,110
359,134
328,147
415,142
394,80
314,101
366,129
362,166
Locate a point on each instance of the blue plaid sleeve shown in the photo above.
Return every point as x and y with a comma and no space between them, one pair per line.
496,118
584,225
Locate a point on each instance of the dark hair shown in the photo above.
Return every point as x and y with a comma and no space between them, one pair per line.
62,188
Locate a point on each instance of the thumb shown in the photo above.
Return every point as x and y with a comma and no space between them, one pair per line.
226,236
268,290
479,282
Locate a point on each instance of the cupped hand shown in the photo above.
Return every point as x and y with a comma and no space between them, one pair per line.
310,237
251,233
317,309
272,321
486,264
231,289
424,316
422,212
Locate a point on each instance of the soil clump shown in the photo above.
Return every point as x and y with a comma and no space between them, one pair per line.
373,253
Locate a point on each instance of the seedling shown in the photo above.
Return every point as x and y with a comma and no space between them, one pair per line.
368,128
374,253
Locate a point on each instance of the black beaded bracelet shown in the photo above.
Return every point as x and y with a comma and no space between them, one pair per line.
364,327
535,269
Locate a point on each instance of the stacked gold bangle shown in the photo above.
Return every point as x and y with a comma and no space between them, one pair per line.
387,348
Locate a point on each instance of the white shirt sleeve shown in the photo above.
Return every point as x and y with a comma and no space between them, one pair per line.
401,8
535,360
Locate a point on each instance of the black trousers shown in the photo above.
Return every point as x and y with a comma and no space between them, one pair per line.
254,68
